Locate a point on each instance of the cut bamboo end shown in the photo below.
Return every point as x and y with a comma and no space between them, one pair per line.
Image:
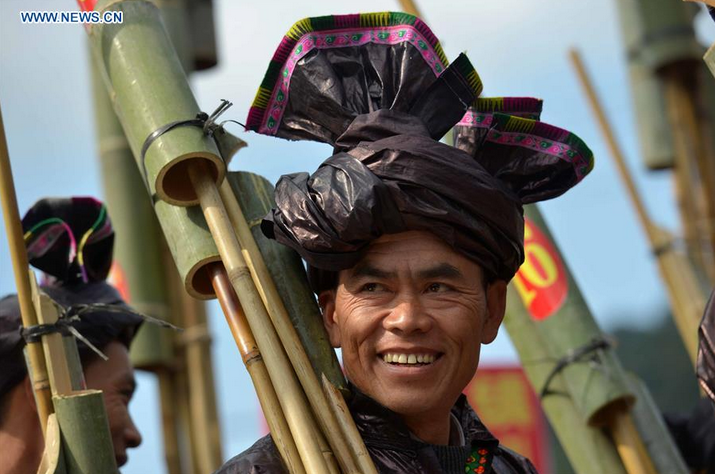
86,442
140,45
172,181
52,461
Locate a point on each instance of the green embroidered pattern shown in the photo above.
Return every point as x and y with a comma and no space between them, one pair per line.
479,461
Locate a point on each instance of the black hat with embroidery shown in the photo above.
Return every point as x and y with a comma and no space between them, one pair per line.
379,89
71,241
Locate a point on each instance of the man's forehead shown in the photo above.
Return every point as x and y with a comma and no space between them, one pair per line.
420,252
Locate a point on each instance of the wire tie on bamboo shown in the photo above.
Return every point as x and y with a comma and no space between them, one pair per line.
202,120
67,317
573,356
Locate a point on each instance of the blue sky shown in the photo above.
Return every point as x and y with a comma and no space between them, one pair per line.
519,48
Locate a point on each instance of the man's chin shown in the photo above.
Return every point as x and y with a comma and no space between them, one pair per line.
410,402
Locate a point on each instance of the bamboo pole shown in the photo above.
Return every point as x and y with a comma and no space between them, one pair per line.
654,432
684,291
169,428
196,342
52,462
256,368
86,443
52,344
709,58
628,443
348,428
285,268
18,254
695,159
292,399
409,6
287,332
588,448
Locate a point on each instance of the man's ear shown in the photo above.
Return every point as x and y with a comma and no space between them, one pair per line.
496,307
326,299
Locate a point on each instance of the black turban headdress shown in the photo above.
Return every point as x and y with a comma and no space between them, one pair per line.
380,90
68,239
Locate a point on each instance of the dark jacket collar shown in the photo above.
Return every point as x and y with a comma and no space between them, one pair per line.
378,424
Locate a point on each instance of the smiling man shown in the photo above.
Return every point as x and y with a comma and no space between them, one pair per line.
409,242
410,319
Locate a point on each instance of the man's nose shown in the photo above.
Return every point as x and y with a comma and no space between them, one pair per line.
408,316
132,436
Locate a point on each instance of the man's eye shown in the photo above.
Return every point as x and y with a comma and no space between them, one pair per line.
436,288
369,287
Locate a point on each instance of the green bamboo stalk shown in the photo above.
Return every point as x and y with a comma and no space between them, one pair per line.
86,443
581,397
255,195
709,58
647,47
149,90
655,433
137,246
572,327
588,448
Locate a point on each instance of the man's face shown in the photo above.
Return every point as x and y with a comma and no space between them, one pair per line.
115,377
410,318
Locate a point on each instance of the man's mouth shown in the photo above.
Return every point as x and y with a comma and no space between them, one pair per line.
393,358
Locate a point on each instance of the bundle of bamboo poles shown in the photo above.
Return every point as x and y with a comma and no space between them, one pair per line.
309,421
73,419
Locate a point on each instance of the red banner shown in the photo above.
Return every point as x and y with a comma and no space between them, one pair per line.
507,405
541,280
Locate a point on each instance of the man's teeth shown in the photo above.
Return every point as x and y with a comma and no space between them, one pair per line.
408,358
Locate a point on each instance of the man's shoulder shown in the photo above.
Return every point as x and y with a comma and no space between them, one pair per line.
261,458
507,461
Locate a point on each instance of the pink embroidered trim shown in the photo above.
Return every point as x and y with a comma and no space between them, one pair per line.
340,39
543,145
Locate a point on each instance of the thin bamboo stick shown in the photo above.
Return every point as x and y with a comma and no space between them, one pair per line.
292,399
347,425
18,255
197,355
686,298
345,451
256,367
629,445
409,6
53,345
167,393
695,162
